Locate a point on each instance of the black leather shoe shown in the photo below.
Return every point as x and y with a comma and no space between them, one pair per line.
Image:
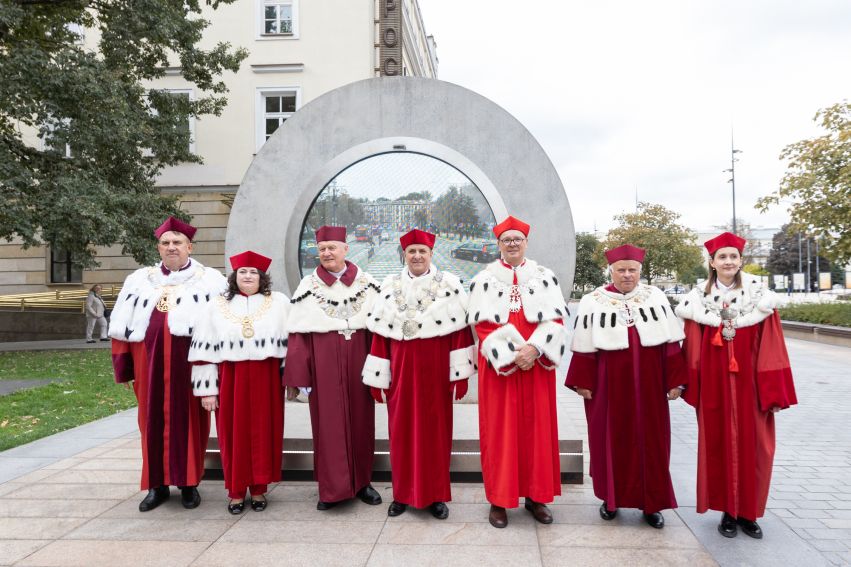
369,495
655,520
607,514
539,511
189,497
750,528
727,527
236,508
396,509
258,505
439,510
325,505
154,498
497,517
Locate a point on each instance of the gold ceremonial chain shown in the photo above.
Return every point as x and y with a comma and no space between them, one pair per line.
167,300
411,327
247,321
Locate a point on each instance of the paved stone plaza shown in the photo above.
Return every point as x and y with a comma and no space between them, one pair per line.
71,499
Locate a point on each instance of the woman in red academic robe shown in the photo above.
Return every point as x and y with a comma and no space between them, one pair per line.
237,352
739,377
422,351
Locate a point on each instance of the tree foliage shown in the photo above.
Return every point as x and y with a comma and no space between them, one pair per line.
818,180
671,247
103,136
589,269
789,255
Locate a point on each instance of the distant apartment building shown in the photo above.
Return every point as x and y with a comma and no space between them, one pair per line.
299,50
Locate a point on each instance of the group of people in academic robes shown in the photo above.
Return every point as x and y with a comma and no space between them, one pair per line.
194,343
721,349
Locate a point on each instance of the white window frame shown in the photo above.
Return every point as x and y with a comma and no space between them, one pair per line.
260,20
260,109
191,119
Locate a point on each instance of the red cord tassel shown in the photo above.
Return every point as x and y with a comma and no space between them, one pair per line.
717,340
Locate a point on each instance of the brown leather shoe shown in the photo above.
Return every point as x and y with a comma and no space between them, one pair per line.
497,517
539,511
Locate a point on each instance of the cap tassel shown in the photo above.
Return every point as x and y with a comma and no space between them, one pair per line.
716,339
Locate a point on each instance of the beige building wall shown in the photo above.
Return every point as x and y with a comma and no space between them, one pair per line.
333,43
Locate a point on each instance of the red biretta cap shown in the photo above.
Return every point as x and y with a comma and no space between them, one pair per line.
625,252
172,224
250,259
724,240
417,236
511,223
324,233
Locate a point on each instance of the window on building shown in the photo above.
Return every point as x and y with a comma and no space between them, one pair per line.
275,106
277,19
63,269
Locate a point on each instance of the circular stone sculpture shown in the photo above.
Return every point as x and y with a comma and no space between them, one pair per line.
387,114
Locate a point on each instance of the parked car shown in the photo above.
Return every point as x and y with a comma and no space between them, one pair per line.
385,236
676,290
477,251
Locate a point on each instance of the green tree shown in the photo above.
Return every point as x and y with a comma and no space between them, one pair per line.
789,255
455,212
104,136
818,181
589,271
691,276
670,246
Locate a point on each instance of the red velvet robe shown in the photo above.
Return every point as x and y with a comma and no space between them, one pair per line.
250,424
342,411
629,426
419,410
518,427
735,451
174,426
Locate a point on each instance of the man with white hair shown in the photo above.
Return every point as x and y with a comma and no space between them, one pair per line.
328,344
627,364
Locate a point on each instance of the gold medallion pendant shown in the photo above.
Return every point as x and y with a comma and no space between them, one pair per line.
247,328
410,328
164,303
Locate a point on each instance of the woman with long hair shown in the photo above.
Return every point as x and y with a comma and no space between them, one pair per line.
739,377
237,351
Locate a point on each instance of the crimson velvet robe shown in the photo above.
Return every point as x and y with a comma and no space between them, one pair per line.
733,385
419,410
174,426
342,411
518,427
629,427
250,424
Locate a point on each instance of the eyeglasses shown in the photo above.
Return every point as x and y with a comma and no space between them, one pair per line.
512,241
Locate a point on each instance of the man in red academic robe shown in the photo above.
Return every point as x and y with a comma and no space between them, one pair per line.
422,351
517,308
627,364
739,377
328,344
151,327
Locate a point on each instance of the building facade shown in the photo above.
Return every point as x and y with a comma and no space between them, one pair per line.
298,50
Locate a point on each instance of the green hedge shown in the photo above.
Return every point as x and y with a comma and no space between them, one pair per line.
838,314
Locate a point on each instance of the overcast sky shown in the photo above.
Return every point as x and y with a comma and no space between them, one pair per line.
627,96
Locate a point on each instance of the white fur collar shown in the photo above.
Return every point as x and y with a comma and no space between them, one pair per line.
320,308
540,295
189,290
753,304
220,335
407,308
604,318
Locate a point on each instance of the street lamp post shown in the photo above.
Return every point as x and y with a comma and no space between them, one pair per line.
732,172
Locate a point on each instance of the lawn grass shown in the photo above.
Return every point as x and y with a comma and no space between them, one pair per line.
86,392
